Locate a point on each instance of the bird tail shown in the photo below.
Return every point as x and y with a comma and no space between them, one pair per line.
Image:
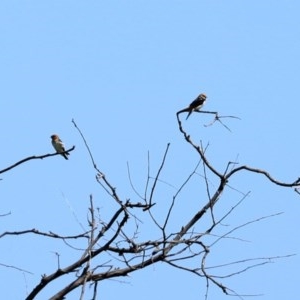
65,155
188,114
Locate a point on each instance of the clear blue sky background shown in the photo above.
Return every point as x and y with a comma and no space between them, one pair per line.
122,69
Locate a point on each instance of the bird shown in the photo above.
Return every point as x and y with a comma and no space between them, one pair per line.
59,146
196,104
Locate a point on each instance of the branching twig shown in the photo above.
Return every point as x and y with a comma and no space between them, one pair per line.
217,117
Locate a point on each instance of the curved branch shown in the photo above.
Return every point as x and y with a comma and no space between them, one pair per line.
34,157
198,149
266,174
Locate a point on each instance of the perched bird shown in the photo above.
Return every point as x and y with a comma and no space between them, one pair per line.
196,104
58,145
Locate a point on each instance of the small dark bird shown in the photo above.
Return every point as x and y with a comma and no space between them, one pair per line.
59,146
196,104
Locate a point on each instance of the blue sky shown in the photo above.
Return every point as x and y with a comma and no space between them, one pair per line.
121,70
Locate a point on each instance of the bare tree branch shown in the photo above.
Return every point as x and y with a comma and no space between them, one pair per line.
33,157
47,234
118,239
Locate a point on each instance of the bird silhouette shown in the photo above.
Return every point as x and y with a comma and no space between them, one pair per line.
196,104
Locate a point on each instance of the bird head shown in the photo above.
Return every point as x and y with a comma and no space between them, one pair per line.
203,96
54,136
